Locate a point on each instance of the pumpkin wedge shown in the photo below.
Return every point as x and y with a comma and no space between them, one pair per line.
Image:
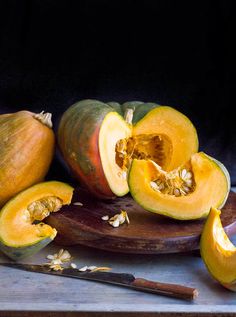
185,193
99,141
26,151
22,232
218,252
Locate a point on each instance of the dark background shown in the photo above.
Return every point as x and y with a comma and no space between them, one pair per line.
177,53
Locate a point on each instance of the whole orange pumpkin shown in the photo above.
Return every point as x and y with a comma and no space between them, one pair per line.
26,150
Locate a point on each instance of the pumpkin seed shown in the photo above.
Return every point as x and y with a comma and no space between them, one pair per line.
92,267
78,203
73,265
105,217
178,182
102,269
115,223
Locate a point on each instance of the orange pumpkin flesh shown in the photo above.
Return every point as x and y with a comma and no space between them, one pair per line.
99,141
26,150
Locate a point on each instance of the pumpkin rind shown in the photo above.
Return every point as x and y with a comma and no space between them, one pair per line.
26,150
19,237
78,135
24,252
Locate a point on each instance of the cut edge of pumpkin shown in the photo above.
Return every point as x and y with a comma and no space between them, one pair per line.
113,129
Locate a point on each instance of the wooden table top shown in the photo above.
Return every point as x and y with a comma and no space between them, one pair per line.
26,292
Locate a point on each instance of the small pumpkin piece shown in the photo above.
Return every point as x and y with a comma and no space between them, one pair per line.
218,252
21,233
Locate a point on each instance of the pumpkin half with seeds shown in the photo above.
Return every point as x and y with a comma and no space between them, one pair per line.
99,141
26,150
187,192
22,232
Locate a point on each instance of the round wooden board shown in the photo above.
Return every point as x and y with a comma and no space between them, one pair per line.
146,233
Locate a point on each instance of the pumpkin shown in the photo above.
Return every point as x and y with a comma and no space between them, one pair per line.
99,141
187,192
26,151
218,252
22,232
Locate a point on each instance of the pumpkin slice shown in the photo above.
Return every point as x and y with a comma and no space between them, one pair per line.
21,231
218,252
187,192
99,141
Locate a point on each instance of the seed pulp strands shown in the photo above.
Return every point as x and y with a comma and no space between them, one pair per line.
40,209
179,182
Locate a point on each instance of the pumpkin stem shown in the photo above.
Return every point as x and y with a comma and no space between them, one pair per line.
129,115
45,118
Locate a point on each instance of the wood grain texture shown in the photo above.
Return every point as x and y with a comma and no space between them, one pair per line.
147,232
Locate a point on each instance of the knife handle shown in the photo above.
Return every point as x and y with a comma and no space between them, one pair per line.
172,290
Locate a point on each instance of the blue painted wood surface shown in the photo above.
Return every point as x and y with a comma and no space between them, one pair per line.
25,291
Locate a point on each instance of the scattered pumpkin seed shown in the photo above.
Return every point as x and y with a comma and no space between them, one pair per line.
83,269
58,259
56,267
92,267
78,203
73,265
105,218
119,219
115,223
96,269
50,257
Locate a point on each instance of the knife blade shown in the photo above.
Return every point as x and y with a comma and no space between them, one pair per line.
121,279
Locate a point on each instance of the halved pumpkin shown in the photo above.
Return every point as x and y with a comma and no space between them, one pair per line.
187,192
99,141
218,252
21,231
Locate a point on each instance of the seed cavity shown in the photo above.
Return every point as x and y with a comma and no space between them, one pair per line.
179,182
40,209
157,148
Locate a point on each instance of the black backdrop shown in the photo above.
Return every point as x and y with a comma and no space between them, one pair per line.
178,53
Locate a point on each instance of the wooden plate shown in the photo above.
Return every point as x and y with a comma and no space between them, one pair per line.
147,232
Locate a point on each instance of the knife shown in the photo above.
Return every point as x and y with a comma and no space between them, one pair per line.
122,279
